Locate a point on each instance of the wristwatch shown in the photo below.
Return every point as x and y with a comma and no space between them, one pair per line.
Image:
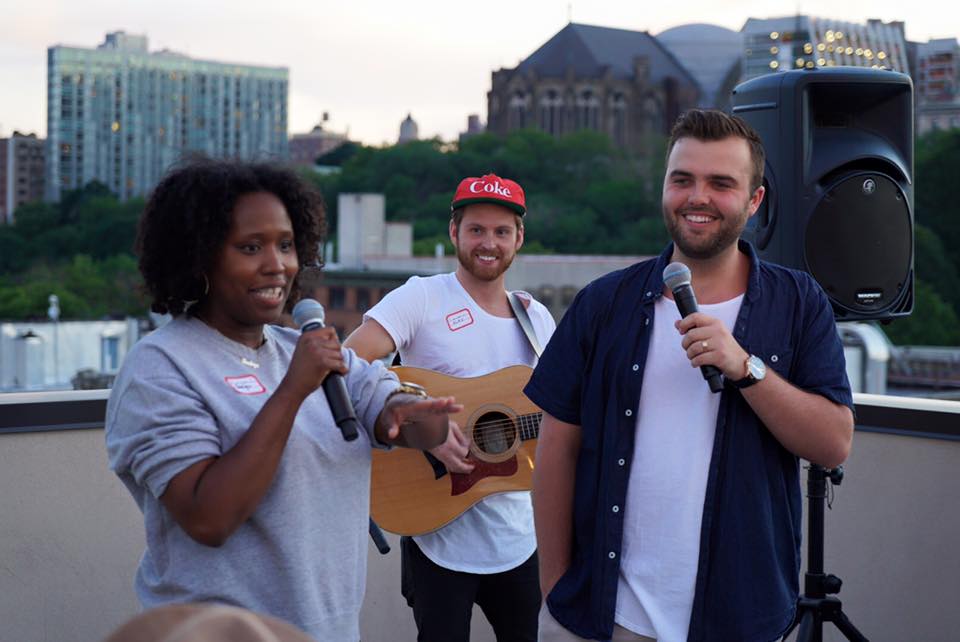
407,388
756,371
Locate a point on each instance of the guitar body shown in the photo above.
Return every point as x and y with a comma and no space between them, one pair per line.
410,496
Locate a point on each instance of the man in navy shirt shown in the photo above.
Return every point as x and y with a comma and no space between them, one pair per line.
664,511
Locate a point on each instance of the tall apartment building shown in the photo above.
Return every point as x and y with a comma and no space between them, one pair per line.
937,85
807,42
122,115
21,172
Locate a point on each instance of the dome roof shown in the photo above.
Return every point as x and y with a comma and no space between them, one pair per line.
707,51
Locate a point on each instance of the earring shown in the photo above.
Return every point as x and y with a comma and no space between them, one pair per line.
206,290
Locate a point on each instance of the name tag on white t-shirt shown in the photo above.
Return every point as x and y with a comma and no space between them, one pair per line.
459,319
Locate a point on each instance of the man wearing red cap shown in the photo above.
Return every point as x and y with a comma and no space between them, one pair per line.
461,324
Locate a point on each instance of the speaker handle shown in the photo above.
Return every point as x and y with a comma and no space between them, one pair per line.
766,231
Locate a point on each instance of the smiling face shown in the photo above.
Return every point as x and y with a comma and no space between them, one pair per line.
487,240
706,195
252,275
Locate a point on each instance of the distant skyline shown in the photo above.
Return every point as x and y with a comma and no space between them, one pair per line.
368,64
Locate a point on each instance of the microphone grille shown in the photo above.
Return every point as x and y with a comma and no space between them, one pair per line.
307,310
675,275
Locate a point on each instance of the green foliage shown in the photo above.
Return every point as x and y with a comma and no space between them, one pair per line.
936,243
88,289
583,195
937,166
80,249
934,267
933,322
339,155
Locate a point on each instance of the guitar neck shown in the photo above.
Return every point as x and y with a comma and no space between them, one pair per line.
529,425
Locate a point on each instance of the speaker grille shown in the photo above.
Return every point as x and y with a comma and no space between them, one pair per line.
858,242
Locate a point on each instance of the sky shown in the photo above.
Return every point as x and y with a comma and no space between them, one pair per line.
368,64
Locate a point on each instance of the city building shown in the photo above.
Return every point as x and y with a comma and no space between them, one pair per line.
937,85
408,130
623,83
21,172
712,55
806,42
474,127
122,115
306,148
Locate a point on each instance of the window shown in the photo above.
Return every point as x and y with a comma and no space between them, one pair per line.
363,299
551,113
338,298
109,354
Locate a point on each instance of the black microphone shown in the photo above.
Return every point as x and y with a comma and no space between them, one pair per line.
676,276
308,315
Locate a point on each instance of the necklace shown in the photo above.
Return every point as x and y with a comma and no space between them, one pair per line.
232,346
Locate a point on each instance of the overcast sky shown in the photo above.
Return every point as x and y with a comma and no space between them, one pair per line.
370,63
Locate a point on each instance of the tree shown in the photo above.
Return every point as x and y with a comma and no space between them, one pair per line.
937,165
933,322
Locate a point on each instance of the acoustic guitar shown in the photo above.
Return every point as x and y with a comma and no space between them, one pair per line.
412,493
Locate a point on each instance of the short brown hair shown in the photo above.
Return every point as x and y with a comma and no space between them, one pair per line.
712,125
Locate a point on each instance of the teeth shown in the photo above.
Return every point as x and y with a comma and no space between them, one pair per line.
698,219
269,292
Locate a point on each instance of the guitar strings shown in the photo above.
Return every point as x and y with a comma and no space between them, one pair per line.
500,425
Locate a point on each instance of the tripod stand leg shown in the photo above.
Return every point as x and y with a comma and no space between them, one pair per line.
811,628
848,629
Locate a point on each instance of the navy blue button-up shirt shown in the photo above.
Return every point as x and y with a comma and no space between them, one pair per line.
590,375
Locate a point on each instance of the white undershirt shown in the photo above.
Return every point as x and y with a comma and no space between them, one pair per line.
436,324
676,423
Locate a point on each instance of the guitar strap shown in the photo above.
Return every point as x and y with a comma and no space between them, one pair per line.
520,312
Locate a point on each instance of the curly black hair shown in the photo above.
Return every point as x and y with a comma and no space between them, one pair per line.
186,221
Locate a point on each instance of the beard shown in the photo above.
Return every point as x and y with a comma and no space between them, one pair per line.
705,247
484,272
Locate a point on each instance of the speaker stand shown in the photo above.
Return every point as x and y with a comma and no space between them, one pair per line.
817,605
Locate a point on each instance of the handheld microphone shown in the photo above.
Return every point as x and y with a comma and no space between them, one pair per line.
676,276
308,315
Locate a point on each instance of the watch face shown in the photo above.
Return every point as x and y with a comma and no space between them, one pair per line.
756,368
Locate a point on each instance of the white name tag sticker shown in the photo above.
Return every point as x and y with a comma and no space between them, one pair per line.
246,385
459,319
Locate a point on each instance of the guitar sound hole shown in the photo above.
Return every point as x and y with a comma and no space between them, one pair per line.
494,433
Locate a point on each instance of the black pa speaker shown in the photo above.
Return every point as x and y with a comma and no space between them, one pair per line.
839,179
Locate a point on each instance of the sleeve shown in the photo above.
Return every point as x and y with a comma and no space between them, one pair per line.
157,428
369,385
401,312
821,365
557,381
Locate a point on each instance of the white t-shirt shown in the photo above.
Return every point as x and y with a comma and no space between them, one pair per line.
676,423
436,324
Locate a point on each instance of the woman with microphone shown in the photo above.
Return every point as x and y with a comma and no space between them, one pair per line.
215,424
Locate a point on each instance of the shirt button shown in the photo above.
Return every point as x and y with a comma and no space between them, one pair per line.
616,509
628,413
621,462
649,293
636,367
774,358
612,555
647,322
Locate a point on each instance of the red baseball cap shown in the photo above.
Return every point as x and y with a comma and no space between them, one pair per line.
490,189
